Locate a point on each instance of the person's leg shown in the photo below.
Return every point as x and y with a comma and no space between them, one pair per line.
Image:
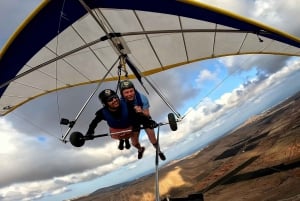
135,142
121,144
151,135
127,144
153,140
118,136
160,153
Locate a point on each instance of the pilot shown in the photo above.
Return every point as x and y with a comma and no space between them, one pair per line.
116,114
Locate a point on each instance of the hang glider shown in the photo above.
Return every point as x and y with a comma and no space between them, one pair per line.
69,43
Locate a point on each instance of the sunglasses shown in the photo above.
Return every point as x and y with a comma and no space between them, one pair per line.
111,98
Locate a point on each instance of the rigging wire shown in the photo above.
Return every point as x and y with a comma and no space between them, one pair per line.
87,101
56,63
101,24
133,67
163,96
121,67
28,121
160,93
117,46
215,88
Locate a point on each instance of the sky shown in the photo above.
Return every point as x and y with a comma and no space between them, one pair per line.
214,95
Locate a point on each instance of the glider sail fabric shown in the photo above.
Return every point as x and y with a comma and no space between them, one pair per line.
69,43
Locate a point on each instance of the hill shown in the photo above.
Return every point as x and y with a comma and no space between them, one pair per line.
259,160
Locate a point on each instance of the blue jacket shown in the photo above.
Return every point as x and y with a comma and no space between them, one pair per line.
115,119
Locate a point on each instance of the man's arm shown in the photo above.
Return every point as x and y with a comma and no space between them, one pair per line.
145,108
94,124
140,110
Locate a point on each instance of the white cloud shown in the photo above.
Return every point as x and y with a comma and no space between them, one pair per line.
206,75
25,159
275,13
35,169
241,97
203,121
7,140
266,9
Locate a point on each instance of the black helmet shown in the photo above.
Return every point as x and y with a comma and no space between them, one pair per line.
125,84
106,94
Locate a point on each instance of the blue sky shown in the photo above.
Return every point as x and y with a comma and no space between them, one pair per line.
216,95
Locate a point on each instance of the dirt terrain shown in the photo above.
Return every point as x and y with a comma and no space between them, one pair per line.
260,160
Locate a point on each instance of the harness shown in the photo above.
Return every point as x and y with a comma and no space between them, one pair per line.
121,121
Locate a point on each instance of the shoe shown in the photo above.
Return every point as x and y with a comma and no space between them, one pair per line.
127,144
141,152
162,156
121,144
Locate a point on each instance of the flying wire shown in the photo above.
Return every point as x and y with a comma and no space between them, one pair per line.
56,63
28,121
215,87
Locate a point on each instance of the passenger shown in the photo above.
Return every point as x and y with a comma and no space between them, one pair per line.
139,103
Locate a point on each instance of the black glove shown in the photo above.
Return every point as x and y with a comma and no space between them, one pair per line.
151,124
89,135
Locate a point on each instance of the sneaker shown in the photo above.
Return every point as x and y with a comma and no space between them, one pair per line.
162,156
121,144
127,144
141,152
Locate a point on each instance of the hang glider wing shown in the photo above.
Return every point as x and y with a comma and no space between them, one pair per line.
68,43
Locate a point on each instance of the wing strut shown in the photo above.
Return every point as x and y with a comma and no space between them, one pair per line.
136,72
122,51
135,69
157,198
71,123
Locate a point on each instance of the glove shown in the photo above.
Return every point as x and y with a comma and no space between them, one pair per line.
151,124
89,135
